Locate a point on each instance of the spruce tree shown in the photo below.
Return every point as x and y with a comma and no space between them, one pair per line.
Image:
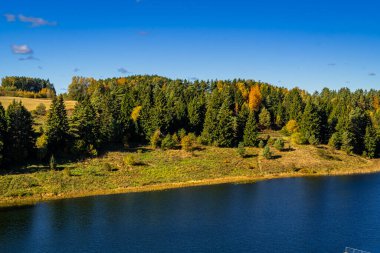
264,119
84,126
19,144
3,132
250,131
210,128
57,127
225,131
311,124
371,141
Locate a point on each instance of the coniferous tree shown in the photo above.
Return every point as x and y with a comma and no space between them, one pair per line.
264,119
250,131
311,124
20,138
84,127
3,132
57,127
225,131
211,119
371,142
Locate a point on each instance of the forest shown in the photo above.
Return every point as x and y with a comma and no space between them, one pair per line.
161,112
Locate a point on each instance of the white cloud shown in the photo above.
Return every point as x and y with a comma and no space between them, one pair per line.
35,22
10,17
21,49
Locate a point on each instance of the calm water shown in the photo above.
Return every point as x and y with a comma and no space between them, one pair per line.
285,215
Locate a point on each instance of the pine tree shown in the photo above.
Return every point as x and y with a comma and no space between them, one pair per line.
250,131
264,119
57,126
84,126
311,123
371,142
3,132
210,128
225,131
20,139
196,111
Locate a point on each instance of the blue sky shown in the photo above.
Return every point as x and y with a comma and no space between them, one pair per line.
310,44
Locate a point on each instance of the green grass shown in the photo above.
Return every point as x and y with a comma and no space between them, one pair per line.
157,169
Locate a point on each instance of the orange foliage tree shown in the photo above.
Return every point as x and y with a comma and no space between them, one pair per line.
255,98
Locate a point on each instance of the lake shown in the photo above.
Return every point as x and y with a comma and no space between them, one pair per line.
320,214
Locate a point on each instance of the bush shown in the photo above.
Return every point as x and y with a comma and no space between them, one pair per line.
175,139
168,143
266,152
188,143
181,133
279,144
313,140
290,128
52,163
261,144
241,150
298,138
270,141
129,160
41,109
155,140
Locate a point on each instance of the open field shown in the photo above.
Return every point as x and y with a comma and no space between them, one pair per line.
32,103
158,170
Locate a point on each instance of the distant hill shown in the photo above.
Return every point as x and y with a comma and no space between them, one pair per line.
26,87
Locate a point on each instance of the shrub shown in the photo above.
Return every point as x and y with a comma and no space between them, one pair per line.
52,163
266,152
41,109
175,139
129,160
91,150
290,128
261,144
188,143
241,150
298,138
181,133
155,140
313,140
270,141
168,143
279,144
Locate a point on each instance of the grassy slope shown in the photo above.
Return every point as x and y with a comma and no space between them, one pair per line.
32,103
173,168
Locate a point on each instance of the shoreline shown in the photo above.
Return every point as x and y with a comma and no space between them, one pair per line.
33,200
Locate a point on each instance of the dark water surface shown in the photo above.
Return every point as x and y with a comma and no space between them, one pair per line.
286,215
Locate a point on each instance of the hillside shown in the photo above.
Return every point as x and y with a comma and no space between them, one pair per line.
145,169
32,103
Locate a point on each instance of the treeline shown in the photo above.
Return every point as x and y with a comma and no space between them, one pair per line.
157,110
26,87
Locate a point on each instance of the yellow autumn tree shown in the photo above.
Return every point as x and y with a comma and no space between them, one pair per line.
136,113
376,103
255,98
242,89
